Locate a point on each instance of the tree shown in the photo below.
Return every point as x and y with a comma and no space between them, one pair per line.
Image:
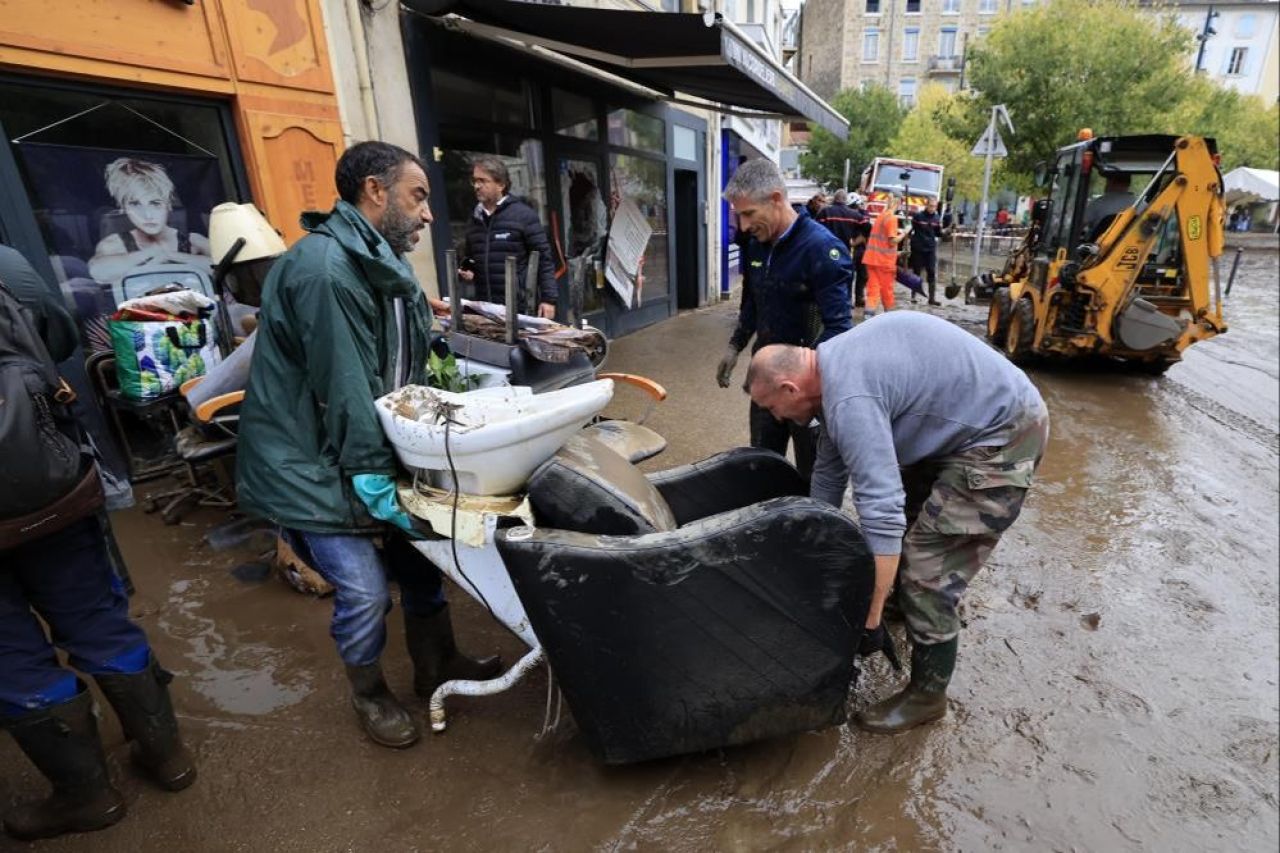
874,117
1071,64
921,137
1246,130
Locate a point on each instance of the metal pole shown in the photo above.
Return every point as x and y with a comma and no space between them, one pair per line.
1235,265
455,293
986,188
509,270
845,183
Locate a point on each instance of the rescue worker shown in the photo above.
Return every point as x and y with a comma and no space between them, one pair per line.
843,221
926,228
881,258
937,476
861,233
502,225
795,290
65,578
343,321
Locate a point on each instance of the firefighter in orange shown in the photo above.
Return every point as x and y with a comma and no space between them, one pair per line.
881,258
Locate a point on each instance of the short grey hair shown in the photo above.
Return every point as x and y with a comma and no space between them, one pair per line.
494,168
841,197
757,180
773,365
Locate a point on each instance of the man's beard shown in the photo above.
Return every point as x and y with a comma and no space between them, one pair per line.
398,229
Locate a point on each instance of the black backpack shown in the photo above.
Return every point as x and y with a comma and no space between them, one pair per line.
40,449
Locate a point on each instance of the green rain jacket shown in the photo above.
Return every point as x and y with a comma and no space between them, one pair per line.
328,345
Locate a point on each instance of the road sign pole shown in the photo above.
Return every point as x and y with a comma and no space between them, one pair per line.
990,139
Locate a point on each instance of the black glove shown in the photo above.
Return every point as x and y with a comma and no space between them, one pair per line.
879,640
724,370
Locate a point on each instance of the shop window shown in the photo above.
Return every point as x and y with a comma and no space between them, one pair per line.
489,100
870,45
686,143
115,183
911,44
637,130
574,115
584,229
644,182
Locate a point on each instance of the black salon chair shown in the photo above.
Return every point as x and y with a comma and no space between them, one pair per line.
696,608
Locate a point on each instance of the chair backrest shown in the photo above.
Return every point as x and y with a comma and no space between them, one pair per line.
145,279
588,488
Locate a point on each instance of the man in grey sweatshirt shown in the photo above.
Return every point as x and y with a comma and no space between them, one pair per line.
940,437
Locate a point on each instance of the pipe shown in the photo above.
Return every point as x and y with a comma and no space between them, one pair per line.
455,295
480,688
509,271
1235,265
360,45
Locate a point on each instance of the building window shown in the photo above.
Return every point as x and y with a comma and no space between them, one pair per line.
1244,26
873,7
637,130
987,7
574,115
951,7
1235,63
947,42
982,31
907,92
910,44
913,7
871,45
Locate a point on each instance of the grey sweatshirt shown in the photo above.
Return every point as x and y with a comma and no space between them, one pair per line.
899,389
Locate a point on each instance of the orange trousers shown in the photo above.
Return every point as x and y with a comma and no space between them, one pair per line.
880,281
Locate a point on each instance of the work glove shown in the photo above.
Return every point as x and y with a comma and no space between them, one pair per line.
879,640
724,370
378,493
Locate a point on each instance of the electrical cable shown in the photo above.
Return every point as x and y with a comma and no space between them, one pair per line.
453,516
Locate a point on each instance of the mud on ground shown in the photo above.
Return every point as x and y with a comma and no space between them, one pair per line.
1117,685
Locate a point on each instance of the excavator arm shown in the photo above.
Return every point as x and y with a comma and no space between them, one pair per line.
1190,189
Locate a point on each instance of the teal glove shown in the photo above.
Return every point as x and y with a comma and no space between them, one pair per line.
378,492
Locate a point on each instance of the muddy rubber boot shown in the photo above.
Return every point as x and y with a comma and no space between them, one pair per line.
435,654
141,701
63,743
925,698
933,293
381,715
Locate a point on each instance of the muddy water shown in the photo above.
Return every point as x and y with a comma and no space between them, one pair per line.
1117,688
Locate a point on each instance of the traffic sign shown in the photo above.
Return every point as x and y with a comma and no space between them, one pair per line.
985,144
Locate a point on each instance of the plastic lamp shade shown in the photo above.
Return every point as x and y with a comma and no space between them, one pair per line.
229,221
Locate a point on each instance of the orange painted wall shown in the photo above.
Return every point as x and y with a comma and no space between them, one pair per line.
267,58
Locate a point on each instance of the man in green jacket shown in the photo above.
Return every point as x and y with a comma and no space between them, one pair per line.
343,321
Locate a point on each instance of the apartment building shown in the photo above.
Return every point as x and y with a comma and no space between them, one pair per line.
901,44
1238,42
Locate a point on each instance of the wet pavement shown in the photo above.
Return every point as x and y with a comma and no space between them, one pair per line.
1117,684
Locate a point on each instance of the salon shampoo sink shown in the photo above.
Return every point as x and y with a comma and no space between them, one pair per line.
496,436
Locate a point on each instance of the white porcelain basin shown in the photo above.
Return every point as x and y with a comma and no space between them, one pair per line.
497,436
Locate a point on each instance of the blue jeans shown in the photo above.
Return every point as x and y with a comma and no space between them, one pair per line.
66,578
360,573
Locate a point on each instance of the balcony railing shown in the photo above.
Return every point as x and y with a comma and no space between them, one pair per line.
944,64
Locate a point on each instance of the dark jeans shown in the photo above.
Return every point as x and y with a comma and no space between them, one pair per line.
926,264
859,285
360,572
772,434
66,578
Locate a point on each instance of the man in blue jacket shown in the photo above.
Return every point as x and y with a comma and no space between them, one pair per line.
501,226
926,228
795,290
343,322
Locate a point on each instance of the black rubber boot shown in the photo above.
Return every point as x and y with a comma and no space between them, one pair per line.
141,701
381,715
63,743
435,654
933,293
925,698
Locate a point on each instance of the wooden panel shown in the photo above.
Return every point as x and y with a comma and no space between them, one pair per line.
25,61
150,34
293,159
280,42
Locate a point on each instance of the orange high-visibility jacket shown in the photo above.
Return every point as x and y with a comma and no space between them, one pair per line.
882,246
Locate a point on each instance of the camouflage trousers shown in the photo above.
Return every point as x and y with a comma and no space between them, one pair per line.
957,508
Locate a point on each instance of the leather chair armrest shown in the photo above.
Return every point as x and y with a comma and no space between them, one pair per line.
735,478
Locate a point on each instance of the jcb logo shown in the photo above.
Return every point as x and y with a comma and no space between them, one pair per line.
1128,260
1193,228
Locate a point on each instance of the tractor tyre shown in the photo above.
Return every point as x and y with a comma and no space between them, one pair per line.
1021,332
998,316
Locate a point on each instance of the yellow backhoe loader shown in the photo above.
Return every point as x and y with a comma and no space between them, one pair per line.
1118,258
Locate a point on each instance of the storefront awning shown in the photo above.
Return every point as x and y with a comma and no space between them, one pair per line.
702,56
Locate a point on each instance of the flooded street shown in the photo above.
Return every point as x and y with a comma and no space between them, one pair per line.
1117,687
